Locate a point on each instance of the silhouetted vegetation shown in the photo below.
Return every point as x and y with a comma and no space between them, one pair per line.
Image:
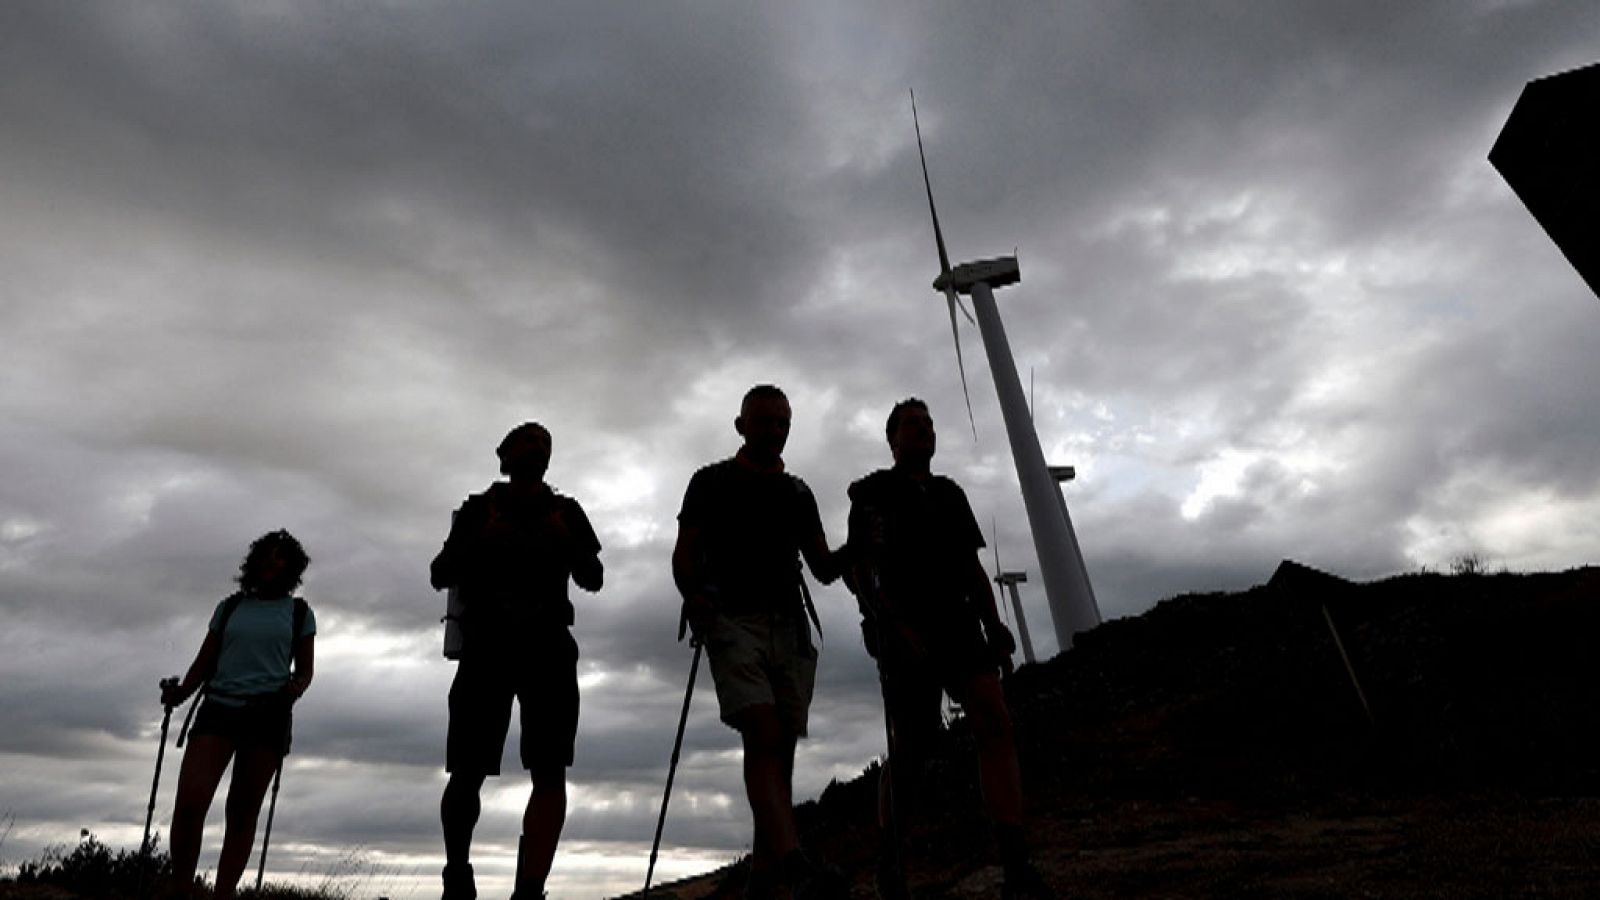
91,869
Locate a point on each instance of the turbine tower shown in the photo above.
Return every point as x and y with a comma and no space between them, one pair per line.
1066,581
1009,581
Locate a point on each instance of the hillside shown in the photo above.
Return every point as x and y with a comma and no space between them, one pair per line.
1216,746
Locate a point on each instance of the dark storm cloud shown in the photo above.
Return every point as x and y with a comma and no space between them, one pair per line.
275,269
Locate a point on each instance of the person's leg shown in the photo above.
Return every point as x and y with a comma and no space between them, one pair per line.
548,699
253,768
458,815
998,773
1000,778
912,706
480,717
768,766
204,761
541,831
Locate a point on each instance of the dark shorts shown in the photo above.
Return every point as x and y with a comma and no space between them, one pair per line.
541,674
762,659
955,657
263,723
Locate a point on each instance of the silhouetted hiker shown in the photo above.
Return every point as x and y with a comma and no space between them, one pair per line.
510,552
913,544
245,665
744,525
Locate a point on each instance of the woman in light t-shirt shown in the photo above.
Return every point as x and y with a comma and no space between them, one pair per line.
250,687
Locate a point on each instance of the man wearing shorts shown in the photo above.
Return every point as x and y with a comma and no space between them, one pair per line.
932,624
510,552
744,525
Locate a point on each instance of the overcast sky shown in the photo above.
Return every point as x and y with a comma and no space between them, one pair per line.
271,265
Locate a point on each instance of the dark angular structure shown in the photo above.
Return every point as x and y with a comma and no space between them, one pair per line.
1549,152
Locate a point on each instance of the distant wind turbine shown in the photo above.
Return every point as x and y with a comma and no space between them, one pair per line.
1066,581
1009,581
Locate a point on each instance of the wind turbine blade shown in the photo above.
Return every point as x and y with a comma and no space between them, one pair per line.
938,235
950,296
964,312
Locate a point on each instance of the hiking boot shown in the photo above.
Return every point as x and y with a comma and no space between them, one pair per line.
1023,882
809,880
458,883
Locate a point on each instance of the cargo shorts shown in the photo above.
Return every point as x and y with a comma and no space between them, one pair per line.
763,658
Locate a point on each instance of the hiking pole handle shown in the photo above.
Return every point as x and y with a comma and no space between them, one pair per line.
155,783
672,765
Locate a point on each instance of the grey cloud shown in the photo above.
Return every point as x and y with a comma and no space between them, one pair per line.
304,271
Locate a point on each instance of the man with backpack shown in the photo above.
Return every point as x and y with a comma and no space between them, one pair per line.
744,525
510,552
932,624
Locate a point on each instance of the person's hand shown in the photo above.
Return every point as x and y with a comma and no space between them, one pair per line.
172,692
1001,643
698,611
296,687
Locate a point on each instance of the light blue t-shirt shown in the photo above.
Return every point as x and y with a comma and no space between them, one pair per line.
256,650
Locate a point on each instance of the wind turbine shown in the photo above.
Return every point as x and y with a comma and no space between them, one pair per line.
1009,581
1066,581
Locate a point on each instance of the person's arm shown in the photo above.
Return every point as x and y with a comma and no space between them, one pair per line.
589,573
826,565
205,662
688,574
451,562
305,652
981,594
583,548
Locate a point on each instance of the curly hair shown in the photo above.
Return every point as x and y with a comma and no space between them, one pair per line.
286,544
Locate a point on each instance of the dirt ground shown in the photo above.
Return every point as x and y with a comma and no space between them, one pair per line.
1493,847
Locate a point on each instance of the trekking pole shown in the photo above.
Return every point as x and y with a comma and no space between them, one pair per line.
272,807
161,752
875,607
672,766
266,838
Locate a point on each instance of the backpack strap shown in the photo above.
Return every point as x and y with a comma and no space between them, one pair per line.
300,609
805,597
228,607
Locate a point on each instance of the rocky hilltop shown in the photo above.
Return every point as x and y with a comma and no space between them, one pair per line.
1425,735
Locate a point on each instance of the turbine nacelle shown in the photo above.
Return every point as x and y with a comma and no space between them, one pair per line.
997,272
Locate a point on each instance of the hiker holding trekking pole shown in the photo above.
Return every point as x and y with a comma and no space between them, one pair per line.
932,624
255,662
744,525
